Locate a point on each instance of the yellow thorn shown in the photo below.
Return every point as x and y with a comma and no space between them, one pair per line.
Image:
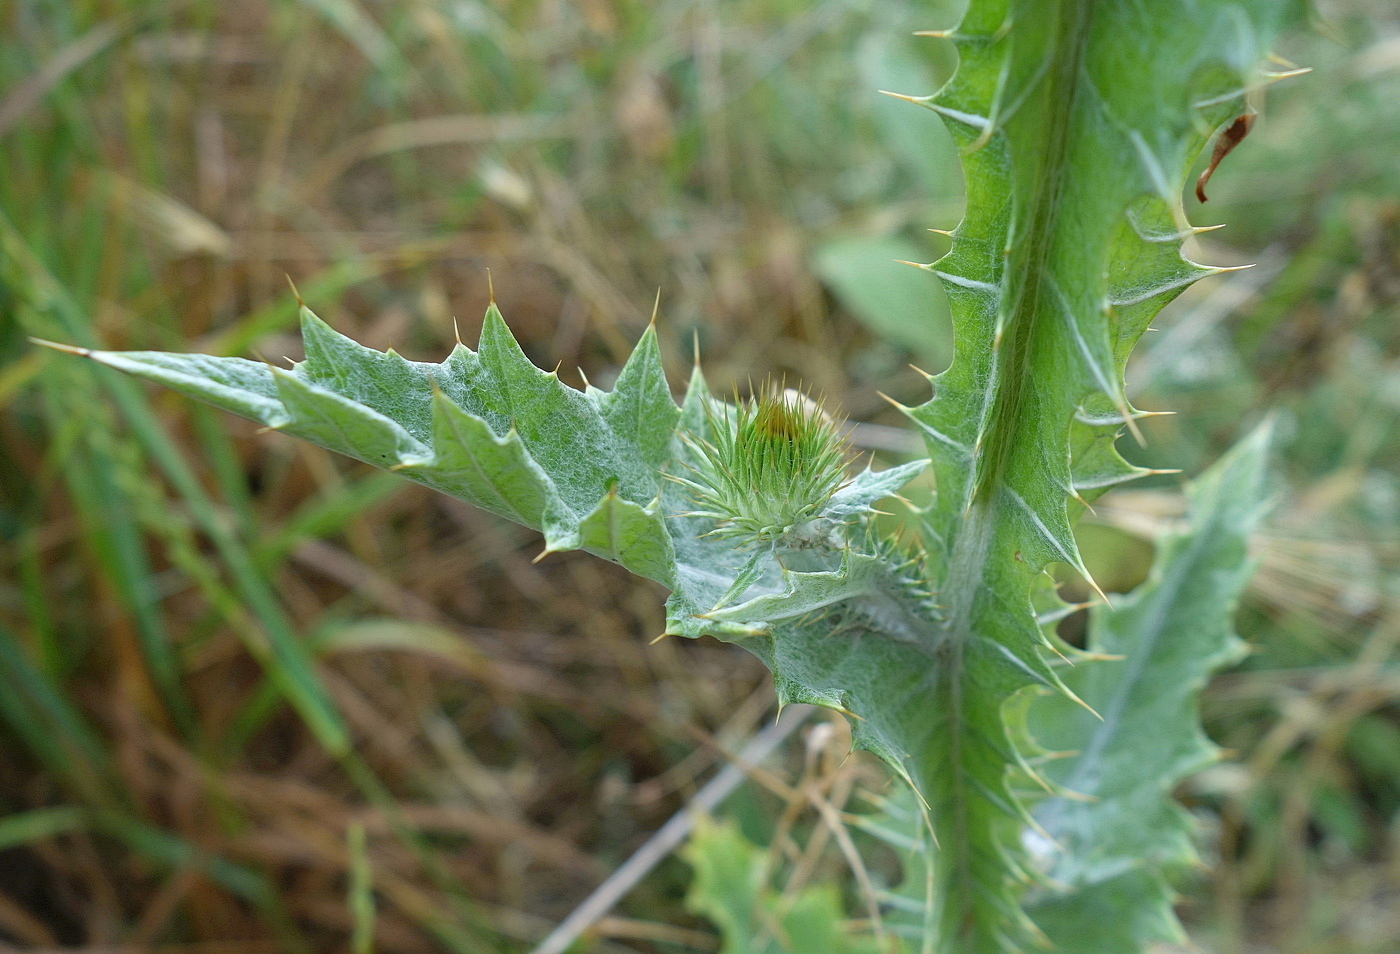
585,378
1286,74
543,553
924,806
490,287
1101,657
66,349
916,100
900,261
1088,578
456,332
1056,650
893,402
695,346
936,34
1132,429
1049,790
300,303
1087,506
655,308
986,135
944,232
1073,697
660,638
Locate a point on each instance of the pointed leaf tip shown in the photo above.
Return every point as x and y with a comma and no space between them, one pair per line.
59,346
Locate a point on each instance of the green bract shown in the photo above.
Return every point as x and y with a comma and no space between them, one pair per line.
1078,122
770,470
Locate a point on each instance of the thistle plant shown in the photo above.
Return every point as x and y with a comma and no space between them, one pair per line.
1041,774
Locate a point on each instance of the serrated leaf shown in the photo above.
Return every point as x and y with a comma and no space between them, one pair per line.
869,487
585,468
342,424
488,427
1116,836
862,582
472,462
634,535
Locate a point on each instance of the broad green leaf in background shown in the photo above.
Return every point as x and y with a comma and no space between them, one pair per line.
866,272
887,61
868,276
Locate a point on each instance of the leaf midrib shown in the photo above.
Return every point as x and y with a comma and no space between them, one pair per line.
1027,271
1005,424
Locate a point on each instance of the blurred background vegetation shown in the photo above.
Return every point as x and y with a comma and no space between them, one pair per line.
256,698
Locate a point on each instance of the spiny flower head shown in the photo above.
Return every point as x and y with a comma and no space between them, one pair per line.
772,464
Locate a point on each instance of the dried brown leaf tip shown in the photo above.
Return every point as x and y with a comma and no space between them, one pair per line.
1232,136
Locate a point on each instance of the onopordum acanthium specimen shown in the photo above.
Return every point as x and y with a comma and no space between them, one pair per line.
1042,773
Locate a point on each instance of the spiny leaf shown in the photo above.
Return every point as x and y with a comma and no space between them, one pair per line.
585,468
486,426
1113,840
1078,122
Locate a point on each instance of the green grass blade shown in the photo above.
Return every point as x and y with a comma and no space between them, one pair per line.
278,647
56,733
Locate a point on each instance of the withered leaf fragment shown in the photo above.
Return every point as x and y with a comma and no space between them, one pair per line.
1232,136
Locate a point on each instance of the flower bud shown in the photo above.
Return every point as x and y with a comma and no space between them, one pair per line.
771,465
